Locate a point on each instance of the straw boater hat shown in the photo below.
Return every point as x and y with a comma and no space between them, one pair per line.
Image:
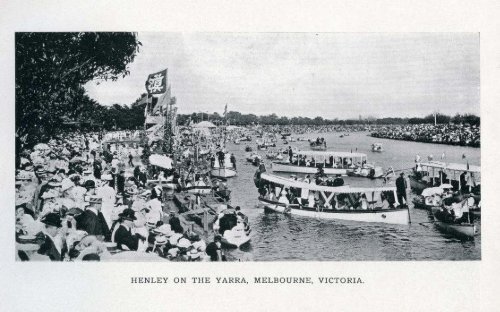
194,254
93,199
107,177
183,243
160,240
164,230
52,219
50,194
24,176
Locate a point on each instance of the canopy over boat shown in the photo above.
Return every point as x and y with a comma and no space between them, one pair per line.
330,153
451,166
314,187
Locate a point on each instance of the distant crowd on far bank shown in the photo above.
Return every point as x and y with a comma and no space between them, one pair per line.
452,134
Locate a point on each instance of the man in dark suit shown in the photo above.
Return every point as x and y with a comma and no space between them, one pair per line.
401,189
53,246
92,220
120,182
123,236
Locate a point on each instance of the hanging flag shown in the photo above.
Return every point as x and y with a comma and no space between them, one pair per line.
443,156
157,83
162,102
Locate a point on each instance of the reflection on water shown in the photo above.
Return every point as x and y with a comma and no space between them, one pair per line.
286,238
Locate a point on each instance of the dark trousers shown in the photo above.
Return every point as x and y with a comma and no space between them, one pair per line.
402,195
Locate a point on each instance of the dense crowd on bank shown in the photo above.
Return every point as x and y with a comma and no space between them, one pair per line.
464,135
79,199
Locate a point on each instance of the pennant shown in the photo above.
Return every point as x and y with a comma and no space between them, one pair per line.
157,83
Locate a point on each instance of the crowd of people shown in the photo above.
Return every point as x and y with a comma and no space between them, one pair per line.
79,199
453,134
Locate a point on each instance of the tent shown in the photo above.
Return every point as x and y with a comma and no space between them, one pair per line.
205,124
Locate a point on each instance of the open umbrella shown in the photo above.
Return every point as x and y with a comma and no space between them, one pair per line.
160,161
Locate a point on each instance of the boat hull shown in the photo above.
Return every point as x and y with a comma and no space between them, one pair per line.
318,148
392,216
223,172
235,238
459,230
280,167
199,189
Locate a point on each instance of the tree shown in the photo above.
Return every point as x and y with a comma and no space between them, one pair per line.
51,69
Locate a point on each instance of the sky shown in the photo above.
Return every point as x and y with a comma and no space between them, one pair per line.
333,75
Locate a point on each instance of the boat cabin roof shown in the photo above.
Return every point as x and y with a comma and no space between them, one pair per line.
451,166
313,187
330,153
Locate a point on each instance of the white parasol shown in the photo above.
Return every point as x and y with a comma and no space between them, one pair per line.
160,161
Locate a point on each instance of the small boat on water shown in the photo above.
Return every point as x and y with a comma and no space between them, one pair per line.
285,142
233,226
377,147
367,171
432,197
289,196
254,158
226,171
462,230
318,145
274,156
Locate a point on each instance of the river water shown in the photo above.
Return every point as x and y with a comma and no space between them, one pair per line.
281,237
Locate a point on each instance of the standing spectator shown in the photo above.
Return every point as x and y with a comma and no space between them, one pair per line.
401,190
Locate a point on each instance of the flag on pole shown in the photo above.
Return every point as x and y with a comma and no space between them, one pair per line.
157,82
463,156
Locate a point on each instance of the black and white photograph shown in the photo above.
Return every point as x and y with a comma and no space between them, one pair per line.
247,146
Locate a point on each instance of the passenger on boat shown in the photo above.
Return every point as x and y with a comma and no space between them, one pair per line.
283,198
338,180
401,189
307,179
363,202
463,183
385,202
310,200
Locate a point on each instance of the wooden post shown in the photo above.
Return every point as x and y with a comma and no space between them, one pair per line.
205,220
